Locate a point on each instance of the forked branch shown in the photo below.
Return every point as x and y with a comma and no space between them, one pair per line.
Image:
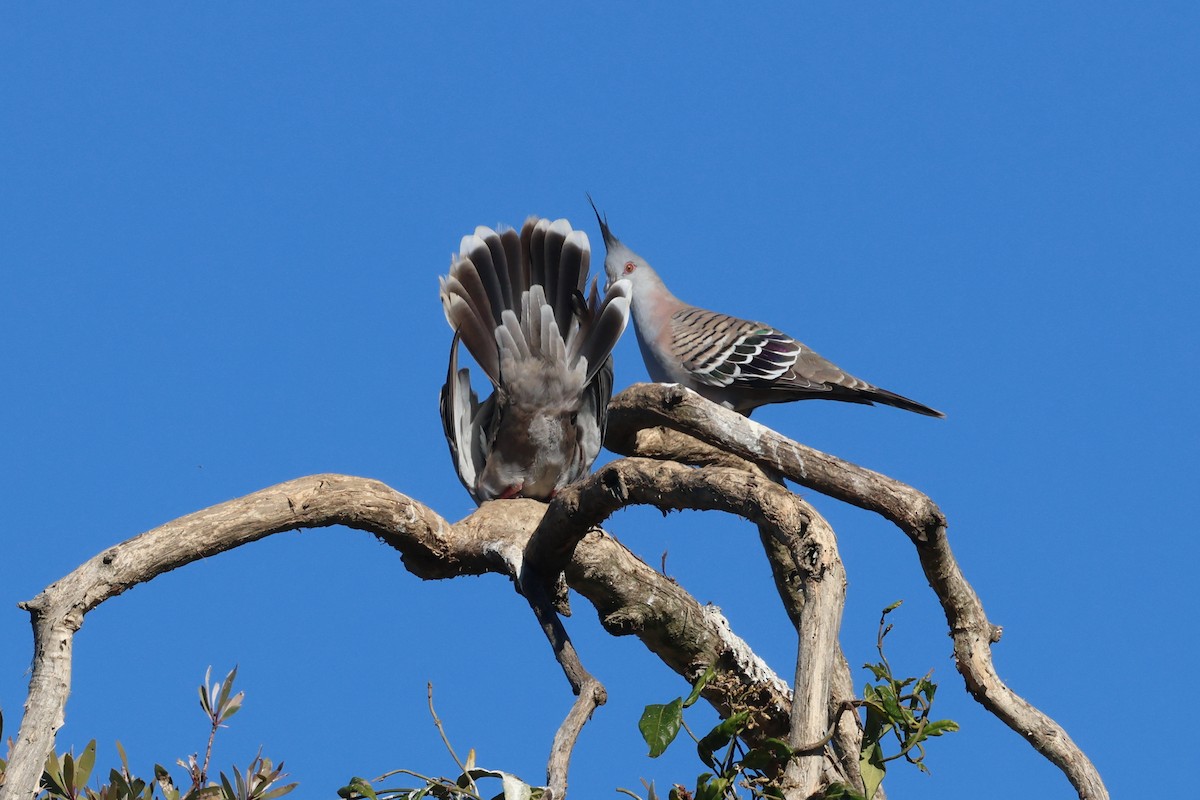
630,596
647,405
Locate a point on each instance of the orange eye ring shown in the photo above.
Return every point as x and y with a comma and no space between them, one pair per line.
630,267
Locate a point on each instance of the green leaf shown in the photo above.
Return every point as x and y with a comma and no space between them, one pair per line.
660,725
888,698
873,726
124,759
698,687
279,792
52,775
68,773
720,736
870,765
771,751
117,781
940,727
87,760
880,671
226,688
232,706
713,789
227,788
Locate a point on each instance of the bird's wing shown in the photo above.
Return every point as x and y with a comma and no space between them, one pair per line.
720,350
464,422
724,351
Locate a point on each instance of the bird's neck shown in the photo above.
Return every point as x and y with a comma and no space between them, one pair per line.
653,303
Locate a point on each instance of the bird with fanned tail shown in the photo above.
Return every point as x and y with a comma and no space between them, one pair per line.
516,301
735,362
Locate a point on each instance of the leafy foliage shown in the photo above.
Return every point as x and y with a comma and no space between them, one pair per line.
894,709
733,765
66,777
464,787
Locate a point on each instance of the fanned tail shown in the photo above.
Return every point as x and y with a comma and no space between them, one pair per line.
516,301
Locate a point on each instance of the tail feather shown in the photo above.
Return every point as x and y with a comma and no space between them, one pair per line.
518,266
573,267
877,395
475,334
537,251
556,237
513,328
606,327
516,301
500,260
476,250
459,408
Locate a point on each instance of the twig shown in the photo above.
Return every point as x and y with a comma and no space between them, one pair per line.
445,739
589,692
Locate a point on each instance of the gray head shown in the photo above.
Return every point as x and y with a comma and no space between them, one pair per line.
621,262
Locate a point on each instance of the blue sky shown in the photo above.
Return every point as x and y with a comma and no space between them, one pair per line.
220,232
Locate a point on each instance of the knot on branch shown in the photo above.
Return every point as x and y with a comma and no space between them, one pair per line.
614,484
674,395
625,621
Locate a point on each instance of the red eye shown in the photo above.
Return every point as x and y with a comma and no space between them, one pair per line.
630,267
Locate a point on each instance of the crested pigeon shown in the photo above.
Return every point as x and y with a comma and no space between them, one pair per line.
516,301
735,362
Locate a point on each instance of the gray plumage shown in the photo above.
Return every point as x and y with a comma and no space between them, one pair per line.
516,301
735,362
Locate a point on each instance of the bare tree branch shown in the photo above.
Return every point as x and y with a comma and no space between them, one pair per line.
630,596
842,763
779,513
647,405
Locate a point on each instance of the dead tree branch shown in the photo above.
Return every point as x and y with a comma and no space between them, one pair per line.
630,596
779,514
648,405
842,763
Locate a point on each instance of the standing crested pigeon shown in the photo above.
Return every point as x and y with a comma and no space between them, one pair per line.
516,302
735,362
